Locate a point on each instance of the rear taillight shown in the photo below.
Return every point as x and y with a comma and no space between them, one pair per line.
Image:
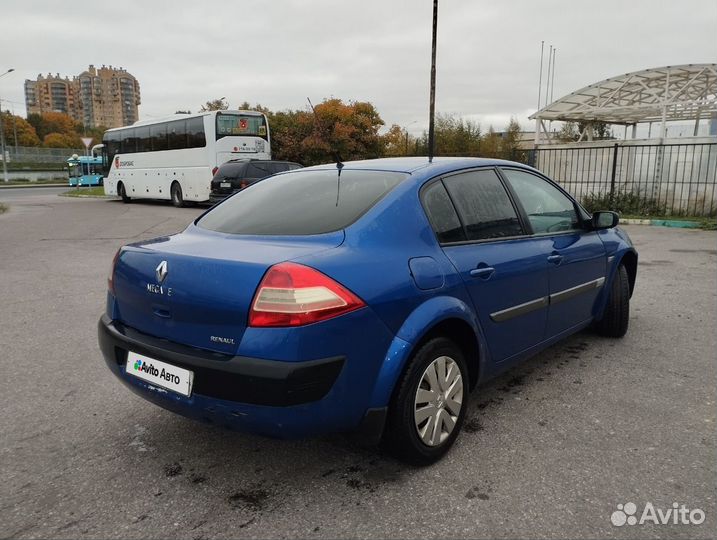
243,184
111,276
214,170
294,295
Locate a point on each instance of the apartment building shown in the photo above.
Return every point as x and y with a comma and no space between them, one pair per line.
105,96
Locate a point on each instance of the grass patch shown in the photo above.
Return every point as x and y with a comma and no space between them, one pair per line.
3,208
98,191
708,224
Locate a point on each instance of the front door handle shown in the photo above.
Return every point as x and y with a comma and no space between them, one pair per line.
555,258
483,272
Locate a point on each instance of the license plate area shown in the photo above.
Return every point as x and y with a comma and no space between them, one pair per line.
158,373
225,184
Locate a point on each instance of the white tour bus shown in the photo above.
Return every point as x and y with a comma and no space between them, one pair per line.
175,158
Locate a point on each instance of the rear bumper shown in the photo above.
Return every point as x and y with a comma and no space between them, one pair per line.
274,398
214,198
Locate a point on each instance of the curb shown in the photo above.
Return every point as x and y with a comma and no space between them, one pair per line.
681,224
81,196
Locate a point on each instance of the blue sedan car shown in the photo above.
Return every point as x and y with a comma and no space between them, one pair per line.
370,296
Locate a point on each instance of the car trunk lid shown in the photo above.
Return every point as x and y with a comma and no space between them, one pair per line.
196,288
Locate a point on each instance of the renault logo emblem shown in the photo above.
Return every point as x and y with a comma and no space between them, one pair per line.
161,271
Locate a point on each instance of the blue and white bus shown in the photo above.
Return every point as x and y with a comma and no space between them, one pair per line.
175,158
85,170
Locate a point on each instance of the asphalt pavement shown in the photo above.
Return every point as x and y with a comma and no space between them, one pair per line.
549,450
8,194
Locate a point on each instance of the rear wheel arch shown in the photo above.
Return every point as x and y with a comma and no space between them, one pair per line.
462,334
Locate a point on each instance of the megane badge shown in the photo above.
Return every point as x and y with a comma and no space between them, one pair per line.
161,271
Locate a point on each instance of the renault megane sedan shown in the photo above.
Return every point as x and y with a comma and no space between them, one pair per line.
370,296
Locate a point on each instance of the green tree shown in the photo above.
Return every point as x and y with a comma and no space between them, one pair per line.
455,136
571,131
490,144
215,105
510,142
601,130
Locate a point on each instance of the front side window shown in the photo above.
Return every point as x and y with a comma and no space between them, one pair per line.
483,205
301,203
548,209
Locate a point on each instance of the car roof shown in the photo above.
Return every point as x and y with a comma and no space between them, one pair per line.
420,167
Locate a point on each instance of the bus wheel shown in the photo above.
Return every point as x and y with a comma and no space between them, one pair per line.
177,197
122,193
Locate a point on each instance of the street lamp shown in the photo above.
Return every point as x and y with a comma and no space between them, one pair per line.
2,136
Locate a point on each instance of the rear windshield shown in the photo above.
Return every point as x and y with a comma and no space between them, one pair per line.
240,124
301,203
259,169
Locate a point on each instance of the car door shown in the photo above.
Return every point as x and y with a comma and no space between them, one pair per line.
504,270
576,255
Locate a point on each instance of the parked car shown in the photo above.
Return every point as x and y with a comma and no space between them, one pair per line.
237,174
369,297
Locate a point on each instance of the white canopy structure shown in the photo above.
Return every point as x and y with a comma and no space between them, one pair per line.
671,93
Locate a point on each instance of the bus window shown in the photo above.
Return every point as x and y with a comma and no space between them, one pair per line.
128,144
144,143
195,133
177,135
112,144
159,137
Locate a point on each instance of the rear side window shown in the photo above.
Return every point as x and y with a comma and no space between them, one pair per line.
483,205
301,203
260,170
442,214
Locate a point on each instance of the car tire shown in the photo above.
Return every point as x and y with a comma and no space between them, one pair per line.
122,192
177,196
616,317
411,434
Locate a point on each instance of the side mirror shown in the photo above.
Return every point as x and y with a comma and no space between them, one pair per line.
605,219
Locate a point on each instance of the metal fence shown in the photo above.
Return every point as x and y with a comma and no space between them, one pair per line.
32,154
646,179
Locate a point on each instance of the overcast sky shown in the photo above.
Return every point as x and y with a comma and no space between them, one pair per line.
279,52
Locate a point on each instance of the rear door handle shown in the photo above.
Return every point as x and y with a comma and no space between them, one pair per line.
483,272
555,258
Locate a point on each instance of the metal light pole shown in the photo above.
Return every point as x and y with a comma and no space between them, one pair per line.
432,108
2,136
